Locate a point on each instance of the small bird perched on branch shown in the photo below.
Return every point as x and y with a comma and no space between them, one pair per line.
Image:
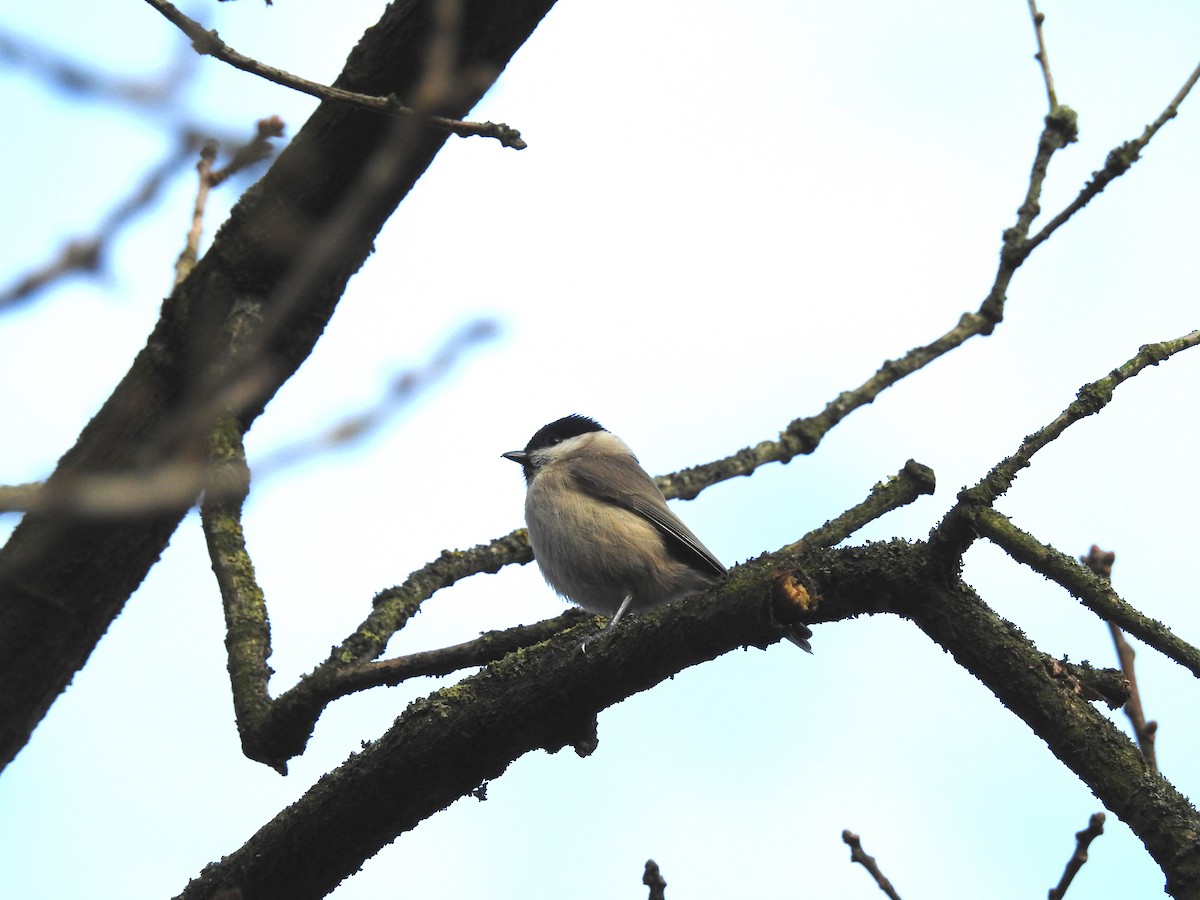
600,528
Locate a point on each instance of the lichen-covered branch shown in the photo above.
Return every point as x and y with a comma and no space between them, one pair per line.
1094,592
954,534
247,626
547,696
283,729
1118,162
911,482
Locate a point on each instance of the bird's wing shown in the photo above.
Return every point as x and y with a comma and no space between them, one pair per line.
629,487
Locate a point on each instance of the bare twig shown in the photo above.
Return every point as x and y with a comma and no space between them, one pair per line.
901,489
654,880
1042,56
254,151
1101,563
191,246
803,435
1083,838
208,43
858,855
953,534
1117,163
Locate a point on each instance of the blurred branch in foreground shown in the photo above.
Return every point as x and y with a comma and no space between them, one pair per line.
63,73
87,254
146,491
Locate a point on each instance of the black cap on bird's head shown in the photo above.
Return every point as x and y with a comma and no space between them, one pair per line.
558,431
548,435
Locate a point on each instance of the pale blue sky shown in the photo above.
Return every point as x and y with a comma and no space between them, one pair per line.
762,201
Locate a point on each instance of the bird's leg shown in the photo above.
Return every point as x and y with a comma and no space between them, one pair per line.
620,612
611,623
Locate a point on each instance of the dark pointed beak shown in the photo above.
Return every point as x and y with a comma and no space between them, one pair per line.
517,456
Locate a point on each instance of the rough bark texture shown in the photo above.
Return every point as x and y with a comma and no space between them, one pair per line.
63,581
449,743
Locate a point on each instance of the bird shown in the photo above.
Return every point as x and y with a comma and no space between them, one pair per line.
601,531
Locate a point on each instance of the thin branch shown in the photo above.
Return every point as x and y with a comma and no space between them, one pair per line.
1101,563
903,488
1117,164
1106,685
1042,56
247,626
1083,839
254,151
954,535
858,855
1095,593
802,436
208,43
191,246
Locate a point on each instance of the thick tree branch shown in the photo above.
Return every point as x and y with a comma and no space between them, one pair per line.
64,579
548,695
275,731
